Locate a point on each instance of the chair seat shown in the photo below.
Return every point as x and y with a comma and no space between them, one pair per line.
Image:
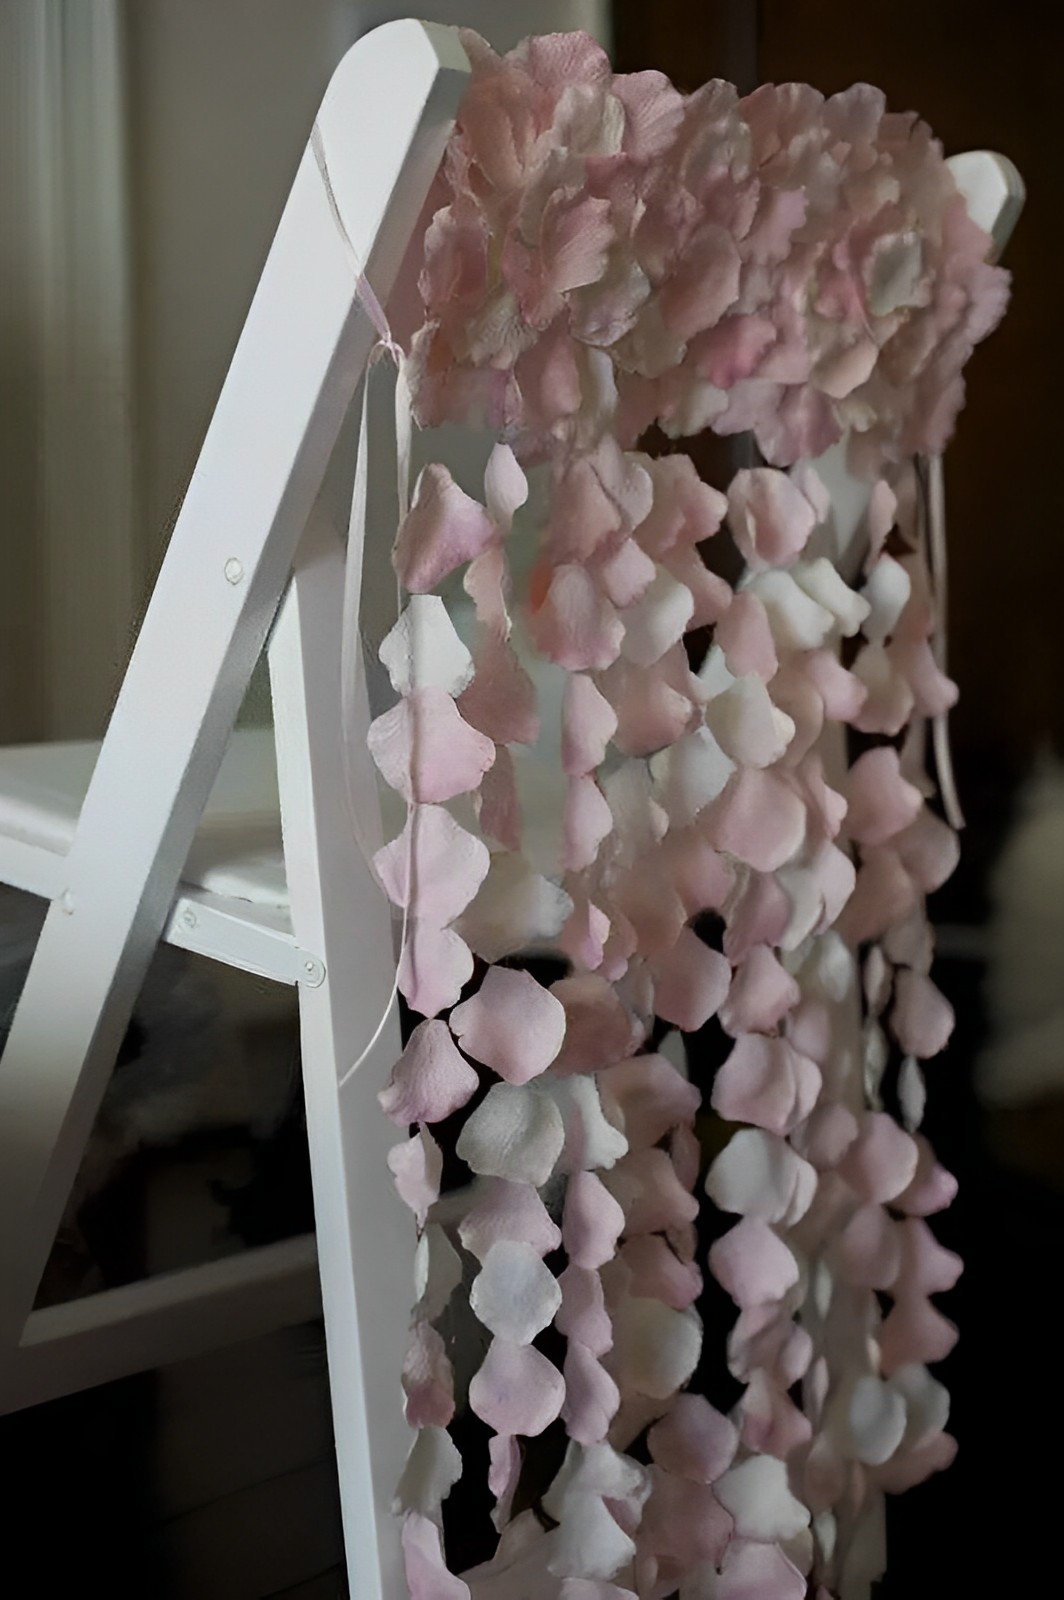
237,850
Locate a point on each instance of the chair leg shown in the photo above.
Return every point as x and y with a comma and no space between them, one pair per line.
365,1241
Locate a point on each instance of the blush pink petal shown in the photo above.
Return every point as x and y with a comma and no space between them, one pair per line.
766,1082
843,694
758,1174
828,1133
417,1167
694,1440
576,626
914,1332
759,1572
655,706
744,634
880,803
505,486
759,819
599,1031
583,939
592,1221
929,851
760,915
486,582
501,700
498,808
711,595
922,1018
684,1521
435,967
932,692
653,112
588,724
769,517
591,1396
660,1202
505,1210
517,1390
626,574
684,510
512,1024
927,1267
703,879
427,1379
426,751
443,529
426,1571
652,1095
583,1315
772,1423
447,865
659,1274
431,1079
881,1162
761,994
932,1188
690,983
912,1466
658,620
588,821
752,1263
869,1249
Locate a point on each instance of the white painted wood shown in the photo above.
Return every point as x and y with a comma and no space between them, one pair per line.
165,1318
385,121
365,1237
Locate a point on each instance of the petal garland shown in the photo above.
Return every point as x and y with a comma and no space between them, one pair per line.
605,254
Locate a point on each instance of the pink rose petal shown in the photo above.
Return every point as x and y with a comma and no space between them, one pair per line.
758,819
588,821
426,1571
759,1572
694,1440
753,1264
769,517
922,1018
435,967
598,1029
690,983
443,529
426,751
881,1162
588,724
505,1210
431,1079
517,1390
591,1396
659,1274
427,1379
501,700
583,1315
448,865
576,626
744,635
765,1081
761,994
417,1166
880,803
652,1095
512,1024
591,1221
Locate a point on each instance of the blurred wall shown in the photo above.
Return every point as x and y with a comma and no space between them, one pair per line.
182,121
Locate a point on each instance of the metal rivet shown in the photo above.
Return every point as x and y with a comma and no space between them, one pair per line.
234,570
189,918
66,903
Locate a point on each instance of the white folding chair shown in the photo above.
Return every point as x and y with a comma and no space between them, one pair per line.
171,828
